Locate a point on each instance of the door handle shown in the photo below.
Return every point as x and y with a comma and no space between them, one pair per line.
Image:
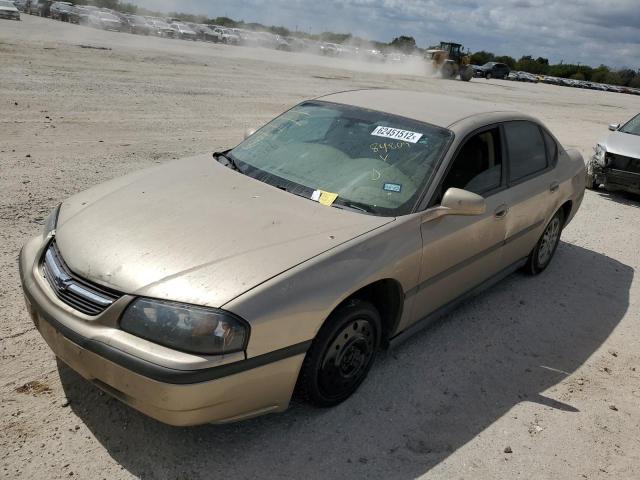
554,186
501,211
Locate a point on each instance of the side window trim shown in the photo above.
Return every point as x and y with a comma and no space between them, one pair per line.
503,181
537,173
546,133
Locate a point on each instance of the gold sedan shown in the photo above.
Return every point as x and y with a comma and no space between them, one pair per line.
210,289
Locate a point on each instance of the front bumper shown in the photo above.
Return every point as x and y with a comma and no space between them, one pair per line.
10,15
614,179
225,393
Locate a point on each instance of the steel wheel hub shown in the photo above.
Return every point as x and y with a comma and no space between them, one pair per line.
346,358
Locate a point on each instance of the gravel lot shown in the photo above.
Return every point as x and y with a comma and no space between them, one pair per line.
547,368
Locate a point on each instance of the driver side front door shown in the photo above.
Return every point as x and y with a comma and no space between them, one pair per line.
459,252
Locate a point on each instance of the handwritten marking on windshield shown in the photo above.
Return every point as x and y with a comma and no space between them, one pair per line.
385,147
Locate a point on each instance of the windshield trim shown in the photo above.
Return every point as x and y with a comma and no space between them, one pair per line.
621,129
423,188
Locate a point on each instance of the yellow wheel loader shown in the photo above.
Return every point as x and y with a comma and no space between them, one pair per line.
450,61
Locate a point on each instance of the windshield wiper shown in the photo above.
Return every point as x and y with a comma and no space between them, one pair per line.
230,161
362,207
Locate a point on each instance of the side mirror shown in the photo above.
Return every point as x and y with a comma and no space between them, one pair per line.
462,202
248,132
614,126
457,202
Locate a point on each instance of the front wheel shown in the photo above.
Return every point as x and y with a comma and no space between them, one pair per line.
466,73
488,76
448,71
341,354
540,257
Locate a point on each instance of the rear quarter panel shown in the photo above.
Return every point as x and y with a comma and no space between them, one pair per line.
572,172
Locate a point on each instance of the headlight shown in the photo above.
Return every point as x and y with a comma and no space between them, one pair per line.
51,222
188,328
600,154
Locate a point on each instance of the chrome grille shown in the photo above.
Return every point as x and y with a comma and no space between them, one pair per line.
84,296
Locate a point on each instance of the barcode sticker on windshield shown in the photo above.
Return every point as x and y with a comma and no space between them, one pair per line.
388,132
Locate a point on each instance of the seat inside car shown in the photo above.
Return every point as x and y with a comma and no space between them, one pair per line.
478,166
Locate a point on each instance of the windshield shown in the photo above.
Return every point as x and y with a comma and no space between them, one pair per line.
632,126
372,161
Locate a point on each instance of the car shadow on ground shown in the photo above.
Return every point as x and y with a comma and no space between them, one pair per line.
625,198
422,400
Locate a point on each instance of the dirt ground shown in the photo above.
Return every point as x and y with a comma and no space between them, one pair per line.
548,366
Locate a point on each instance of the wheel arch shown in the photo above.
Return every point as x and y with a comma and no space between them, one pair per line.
567,208
387,296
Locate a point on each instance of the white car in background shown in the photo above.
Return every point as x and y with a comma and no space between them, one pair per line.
226,35
616,161
182,31
9,10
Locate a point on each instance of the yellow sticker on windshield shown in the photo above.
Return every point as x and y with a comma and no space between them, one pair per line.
325,198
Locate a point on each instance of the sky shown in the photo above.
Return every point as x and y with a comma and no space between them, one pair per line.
590,32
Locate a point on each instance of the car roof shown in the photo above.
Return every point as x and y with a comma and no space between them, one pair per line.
432,108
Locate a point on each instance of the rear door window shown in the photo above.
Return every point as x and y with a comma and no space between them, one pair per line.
527,149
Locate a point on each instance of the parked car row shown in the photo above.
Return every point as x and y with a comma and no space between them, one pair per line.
106,19
569,82
502,71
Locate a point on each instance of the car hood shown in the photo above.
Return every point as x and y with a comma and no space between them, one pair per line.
624,144
196,231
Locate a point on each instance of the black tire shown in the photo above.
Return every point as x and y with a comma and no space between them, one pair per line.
466,73
341,355
542,254
448,71
488,76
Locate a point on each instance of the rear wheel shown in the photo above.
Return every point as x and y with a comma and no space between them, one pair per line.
341,354
540,257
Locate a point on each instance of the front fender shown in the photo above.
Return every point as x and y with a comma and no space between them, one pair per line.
291,307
